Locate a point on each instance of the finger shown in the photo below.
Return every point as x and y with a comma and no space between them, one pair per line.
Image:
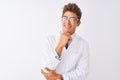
44,73
70,38
47,69
67,33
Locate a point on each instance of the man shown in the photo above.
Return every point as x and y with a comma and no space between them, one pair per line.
67,54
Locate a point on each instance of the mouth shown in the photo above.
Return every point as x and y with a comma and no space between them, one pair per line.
67,27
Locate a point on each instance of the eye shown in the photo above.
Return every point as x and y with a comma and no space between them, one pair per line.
64,18
72,19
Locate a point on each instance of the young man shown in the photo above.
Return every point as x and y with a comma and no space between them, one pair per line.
67,54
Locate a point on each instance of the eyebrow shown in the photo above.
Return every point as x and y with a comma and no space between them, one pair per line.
70,17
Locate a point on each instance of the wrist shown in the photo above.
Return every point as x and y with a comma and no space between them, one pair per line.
59,77
58,49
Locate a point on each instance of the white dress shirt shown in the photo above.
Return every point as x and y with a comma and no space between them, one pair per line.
74,61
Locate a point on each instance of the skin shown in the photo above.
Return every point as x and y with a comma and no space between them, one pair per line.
51,75
68,28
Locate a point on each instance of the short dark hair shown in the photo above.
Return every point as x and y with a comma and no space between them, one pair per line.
72,7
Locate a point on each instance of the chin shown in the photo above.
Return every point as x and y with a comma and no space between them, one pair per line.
67,31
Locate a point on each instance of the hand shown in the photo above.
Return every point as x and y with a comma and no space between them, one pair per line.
64,38
51,74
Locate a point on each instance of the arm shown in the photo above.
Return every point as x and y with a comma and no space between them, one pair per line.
81,70
51,52
51,61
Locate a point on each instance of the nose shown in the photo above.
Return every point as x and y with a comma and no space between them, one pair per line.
68,22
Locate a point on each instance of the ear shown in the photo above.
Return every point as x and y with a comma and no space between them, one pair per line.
78,23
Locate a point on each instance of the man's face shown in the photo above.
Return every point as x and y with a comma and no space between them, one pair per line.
69,22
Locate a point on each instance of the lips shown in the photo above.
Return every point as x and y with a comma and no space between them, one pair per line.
67,27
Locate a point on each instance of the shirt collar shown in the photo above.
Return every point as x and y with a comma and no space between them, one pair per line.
73,36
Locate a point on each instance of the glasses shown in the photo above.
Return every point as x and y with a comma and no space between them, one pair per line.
71,19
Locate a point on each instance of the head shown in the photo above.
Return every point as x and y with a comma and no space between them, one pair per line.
71,18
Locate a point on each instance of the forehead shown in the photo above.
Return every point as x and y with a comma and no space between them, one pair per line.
70,14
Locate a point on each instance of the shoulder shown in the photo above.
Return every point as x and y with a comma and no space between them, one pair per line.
82,40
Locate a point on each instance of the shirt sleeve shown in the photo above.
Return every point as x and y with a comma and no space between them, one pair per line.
82,69
65,76
51,59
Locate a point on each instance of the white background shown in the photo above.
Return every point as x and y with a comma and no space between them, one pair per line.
24,23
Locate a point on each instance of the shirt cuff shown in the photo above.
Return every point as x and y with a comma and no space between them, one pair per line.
52,62
56,55
65,76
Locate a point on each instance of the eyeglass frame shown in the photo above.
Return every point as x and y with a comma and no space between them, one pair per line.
71,19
